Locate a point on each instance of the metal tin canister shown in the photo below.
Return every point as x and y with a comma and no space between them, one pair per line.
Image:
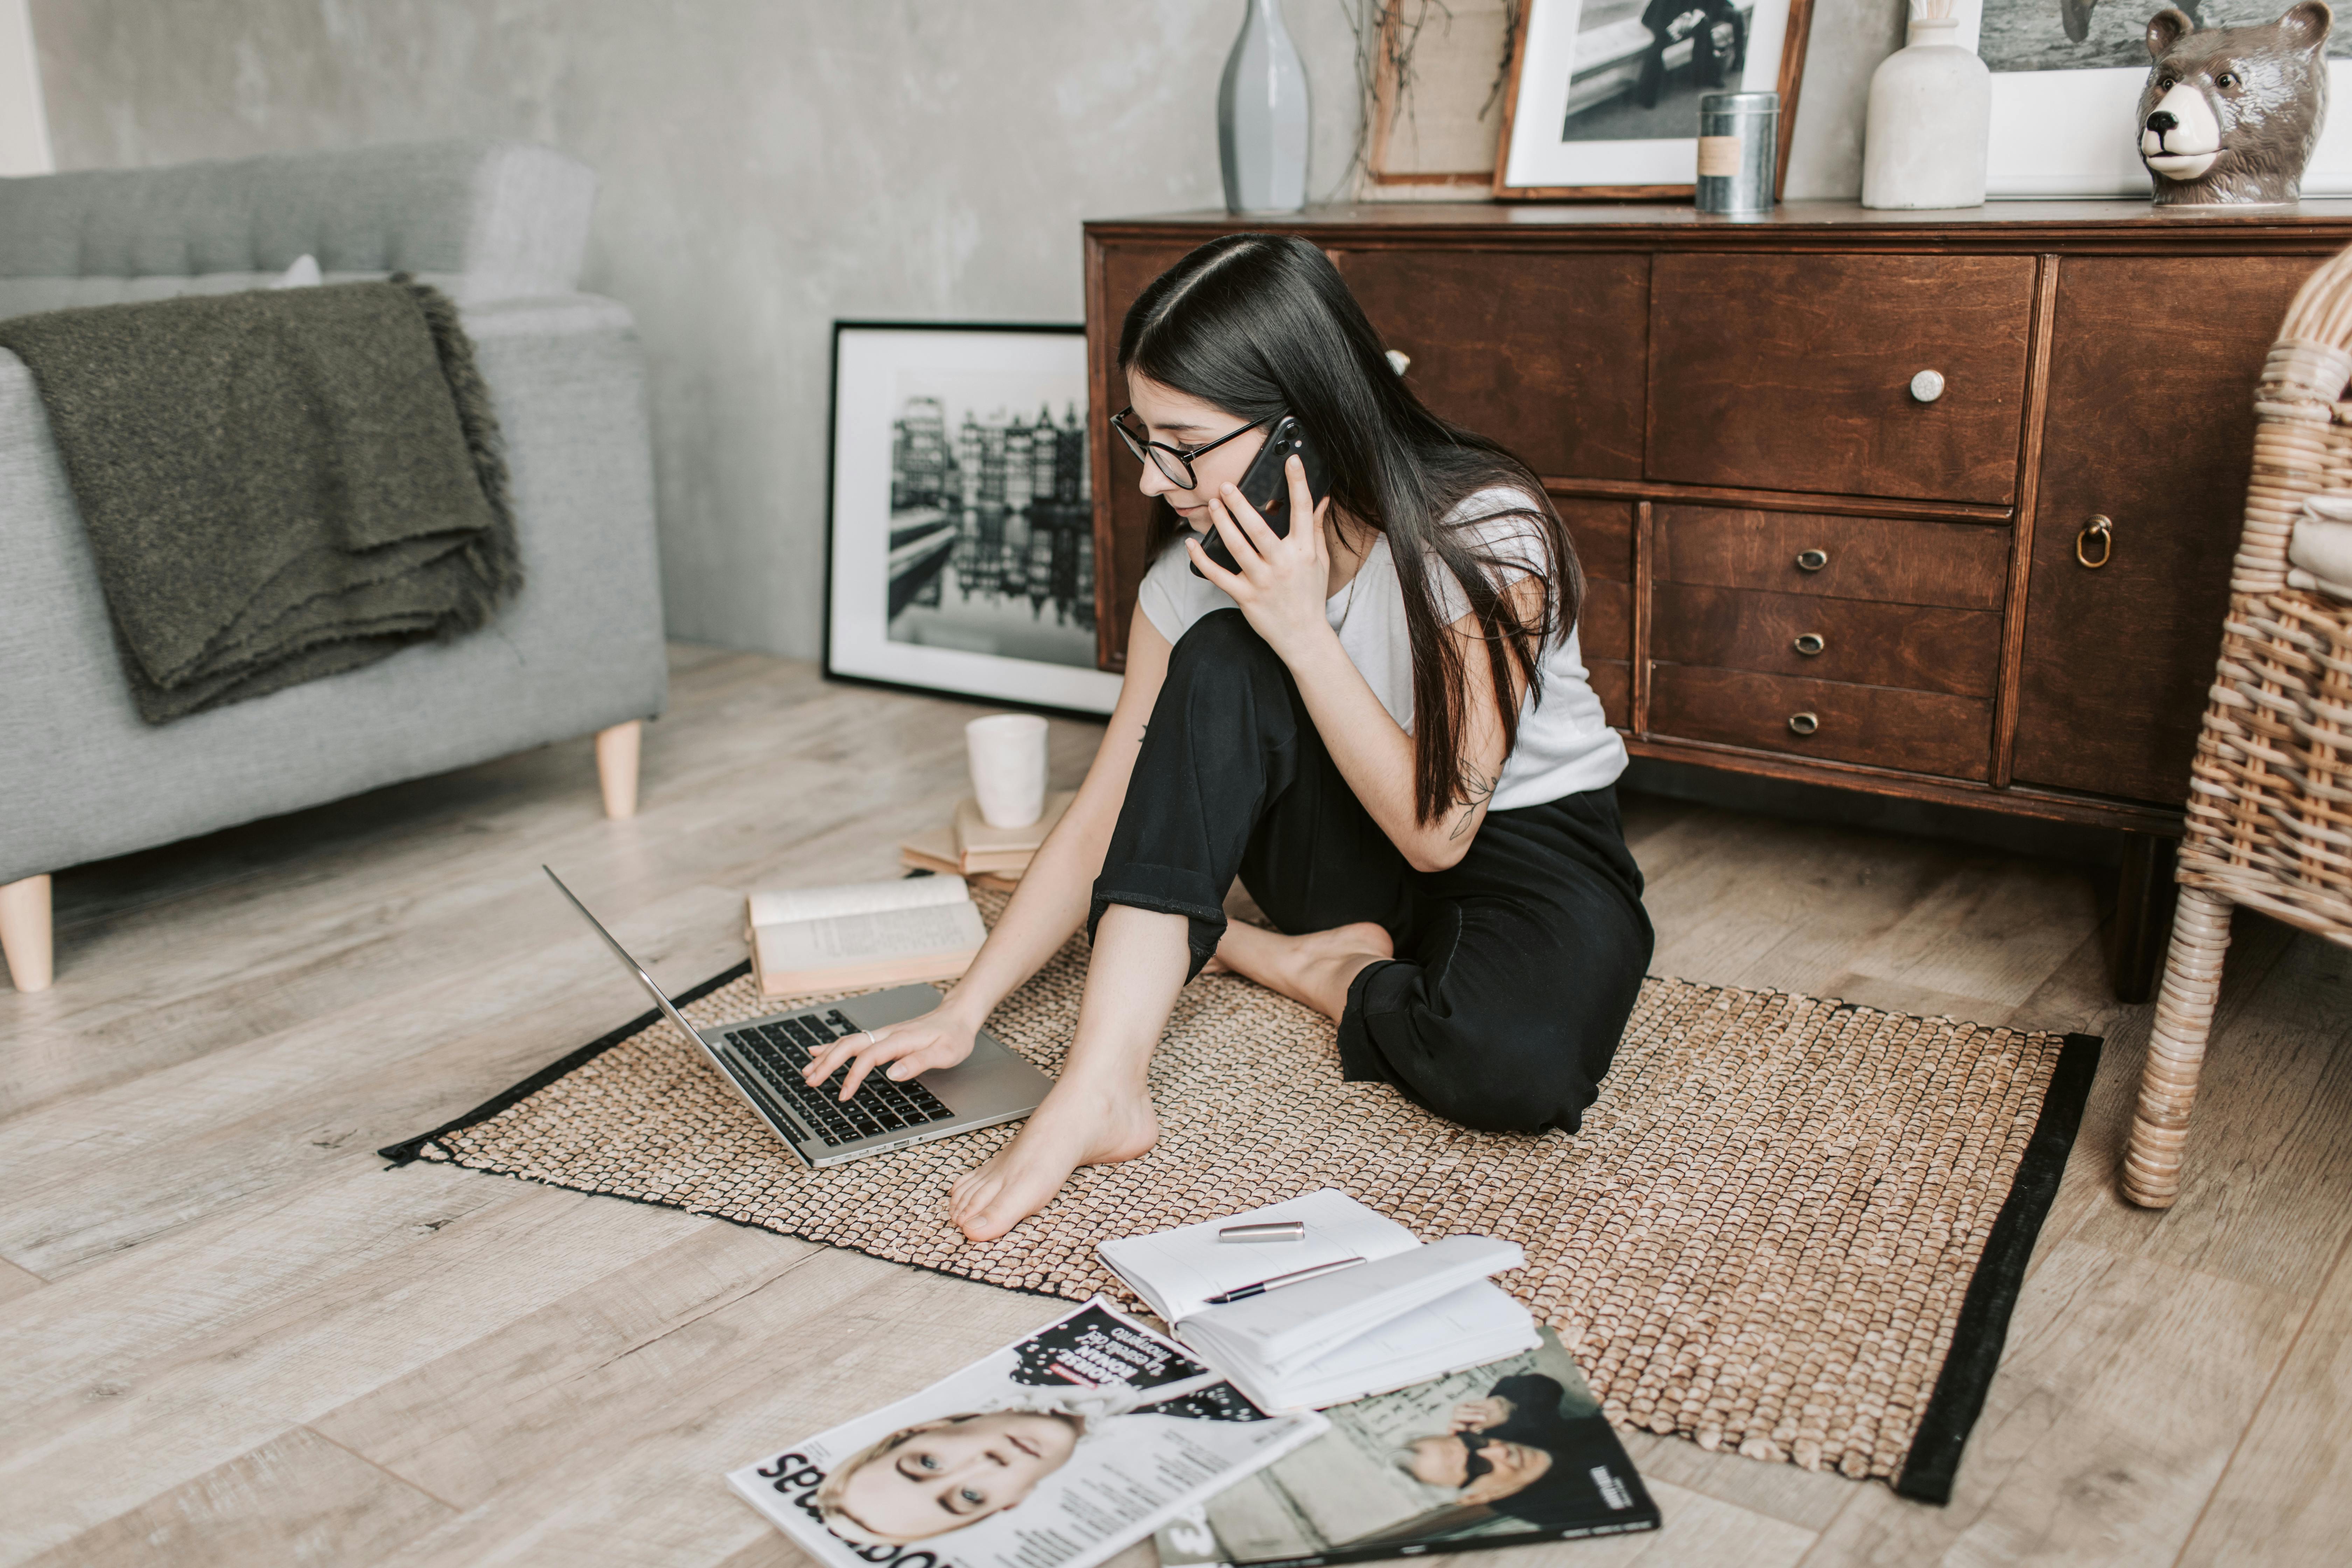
1738,136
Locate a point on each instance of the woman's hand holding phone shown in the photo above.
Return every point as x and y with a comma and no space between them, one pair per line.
1284,579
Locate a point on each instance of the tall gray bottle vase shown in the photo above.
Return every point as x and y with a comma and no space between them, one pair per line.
1262,122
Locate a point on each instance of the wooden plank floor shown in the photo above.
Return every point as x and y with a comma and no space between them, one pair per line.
229,1335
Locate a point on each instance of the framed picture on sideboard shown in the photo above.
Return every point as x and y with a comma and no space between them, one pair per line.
959,522
2065,110
1603,96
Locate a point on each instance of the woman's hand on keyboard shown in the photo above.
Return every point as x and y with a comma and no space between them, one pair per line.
937,1039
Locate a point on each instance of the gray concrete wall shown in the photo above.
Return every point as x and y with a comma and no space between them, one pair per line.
770,165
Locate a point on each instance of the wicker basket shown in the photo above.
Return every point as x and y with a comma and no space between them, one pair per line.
2270,803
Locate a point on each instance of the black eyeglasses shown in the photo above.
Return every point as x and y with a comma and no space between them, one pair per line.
1176,462
1476,1464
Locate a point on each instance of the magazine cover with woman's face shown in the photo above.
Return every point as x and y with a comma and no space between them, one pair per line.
1510,1452
1055,1452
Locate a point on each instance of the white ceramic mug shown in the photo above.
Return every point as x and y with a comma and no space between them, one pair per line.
1008,767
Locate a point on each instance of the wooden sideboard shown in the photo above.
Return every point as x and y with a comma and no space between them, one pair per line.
1800,567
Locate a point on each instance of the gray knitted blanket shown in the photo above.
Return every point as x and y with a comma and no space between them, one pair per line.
277,486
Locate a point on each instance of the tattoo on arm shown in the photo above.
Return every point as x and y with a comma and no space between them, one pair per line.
1477,789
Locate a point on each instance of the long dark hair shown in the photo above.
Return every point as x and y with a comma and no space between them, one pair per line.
1262,325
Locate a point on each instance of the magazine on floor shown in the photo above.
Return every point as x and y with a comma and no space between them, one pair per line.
1503,1455
1055,1452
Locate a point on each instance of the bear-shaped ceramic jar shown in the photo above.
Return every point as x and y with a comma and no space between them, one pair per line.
2230,115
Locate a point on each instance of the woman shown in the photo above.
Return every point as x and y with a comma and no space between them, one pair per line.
1381,722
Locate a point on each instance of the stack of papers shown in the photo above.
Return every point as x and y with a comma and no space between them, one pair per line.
1407,1314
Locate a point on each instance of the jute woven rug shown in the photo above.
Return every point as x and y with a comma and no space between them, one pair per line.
1788,1227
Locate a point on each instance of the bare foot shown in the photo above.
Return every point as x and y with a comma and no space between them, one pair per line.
1077,1125
1316,968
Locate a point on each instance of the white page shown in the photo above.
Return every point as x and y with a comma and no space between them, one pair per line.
1286,1329
1177,1271
1475,1324
781,906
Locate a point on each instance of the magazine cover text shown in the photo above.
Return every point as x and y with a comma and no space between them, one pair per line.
1055,1452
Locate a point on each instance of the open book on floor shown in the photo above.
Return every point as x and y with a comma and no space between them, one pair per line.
1502,1455
1055,1452
1405,1313
805,940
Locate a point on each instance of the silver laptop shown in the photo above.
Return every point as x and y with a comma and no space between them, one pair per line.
765,1058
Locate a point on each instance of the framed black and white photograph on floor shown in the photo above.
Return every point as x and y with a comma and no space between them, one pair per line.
1603,95
2066,80
960,528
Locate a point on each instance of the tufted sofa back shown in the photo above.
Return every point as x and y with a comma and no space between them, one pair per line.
481,220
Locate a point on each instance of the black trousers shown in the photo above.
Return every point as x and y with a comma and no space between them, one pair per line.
1515,970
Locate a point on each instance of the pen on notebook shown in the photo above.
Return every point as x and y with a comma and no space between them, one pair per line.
1243,1292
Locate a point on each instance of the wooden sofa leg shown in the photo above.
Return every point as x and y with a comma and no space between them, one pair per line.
617,767
2176,1048
24,931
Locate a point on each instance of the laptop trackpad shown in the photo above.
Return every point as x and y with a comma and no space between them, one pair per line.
992,1081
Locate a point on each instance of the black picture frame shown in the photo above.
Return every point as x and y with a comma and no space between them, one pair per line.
872,364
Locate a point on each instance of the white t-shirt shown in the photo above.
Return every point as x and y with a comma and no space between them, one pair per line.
1565,746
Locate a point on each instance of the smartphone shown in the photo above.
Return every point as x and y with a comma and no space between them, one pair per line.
1266,487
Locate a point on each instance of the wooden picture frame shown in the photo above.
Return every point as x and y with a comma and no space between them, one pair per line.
1458,90
959,540
1549,28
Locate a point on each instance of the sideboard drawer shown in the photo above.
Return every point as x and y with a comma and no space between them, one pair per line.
1961,565
1602,532
1542,353
1922,732
1611,680
1924,647
1605,627
1795,373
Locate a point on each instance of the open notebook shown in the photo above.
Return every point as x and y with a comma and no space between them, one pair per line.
1407,1314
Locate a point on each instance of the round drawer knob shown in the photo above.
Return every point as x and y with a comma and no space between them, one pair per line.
1811,560
1804,723
1927,386
1811,645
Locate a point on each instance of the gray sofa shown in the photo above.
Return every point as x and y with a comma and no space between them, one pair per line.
501,228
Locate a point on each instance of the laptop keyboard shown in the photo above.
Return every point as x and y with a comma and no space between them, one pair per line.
780,1051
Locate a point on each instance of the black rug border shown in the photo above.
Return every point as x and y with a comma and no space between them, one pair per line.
1979,1335
1981,1331
407,1150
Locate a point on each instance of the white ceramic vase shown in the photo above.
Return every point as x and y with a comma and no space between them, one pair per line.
1262,122
1925,142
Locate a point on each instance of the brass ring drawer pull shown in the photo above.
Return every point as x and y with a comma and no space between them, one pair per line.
1811,560
1804,723
1811,645
2101,528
